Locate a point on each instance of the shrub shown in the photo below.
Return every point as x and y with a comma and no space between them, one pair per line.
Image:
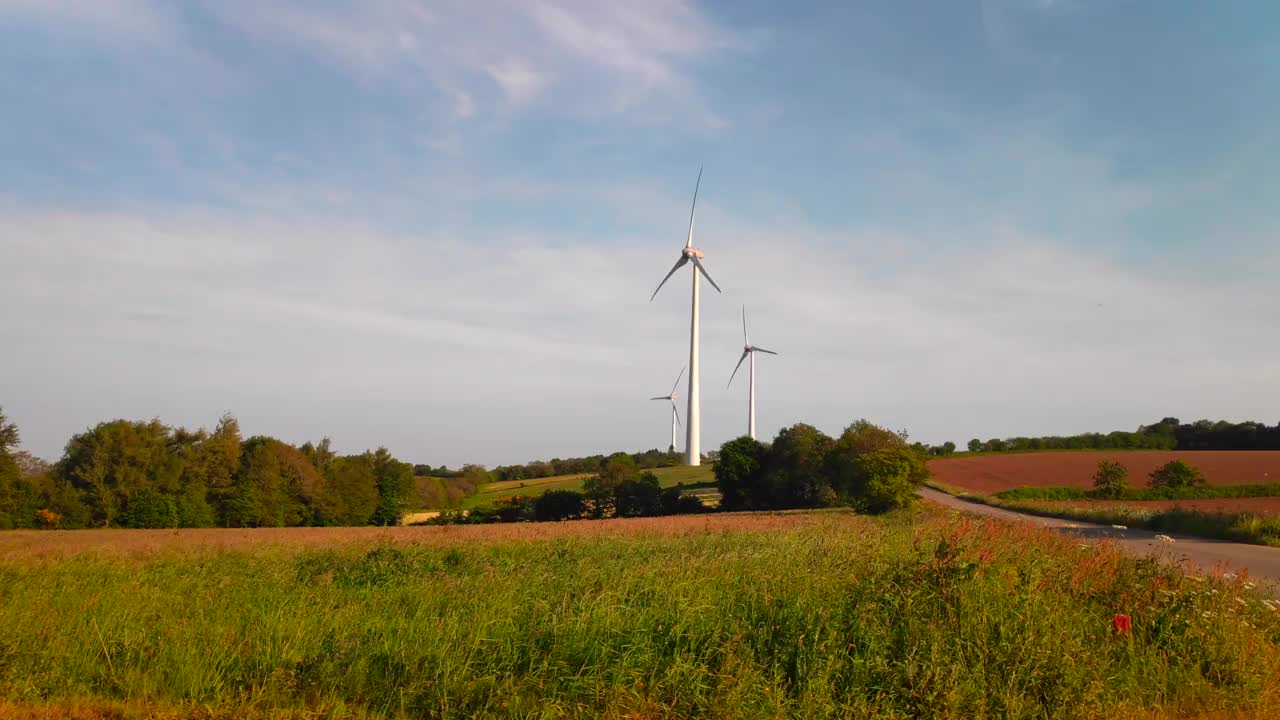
1176,474
738,472
885,480
150,509
1111,479
638,497
559,505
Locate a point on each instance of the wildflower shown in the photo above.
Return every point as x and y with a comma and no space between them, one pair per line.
1164,538
1121,624
1120,527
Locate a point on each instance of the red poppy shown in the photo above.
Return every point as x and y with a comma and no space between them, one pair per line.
1121,624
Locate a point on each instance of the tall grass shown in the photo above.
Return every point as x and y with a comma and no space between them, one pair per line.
1202,492
906,616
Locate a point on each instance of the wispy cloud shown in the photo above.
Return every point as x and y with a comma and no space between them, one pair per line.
520,82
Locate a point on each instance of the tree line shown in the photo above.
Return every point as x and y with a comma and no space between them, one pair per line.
1168,434
646,460
147,474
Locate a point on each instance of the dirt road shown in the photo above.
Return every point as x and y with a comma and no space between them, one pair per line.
1262,563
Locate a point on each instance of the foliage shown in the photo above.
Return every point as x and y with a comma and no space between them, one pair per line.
639,496
146,474
1175,475
1111,479
804,615
885,480
794,468
867,466
559,505
1197,492
738,474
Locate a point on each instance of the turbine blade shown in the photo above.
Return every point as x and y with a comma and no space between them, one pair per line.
664,397
760,349
698,264
745,339
677,384
689,241
735,367
676,412
679,263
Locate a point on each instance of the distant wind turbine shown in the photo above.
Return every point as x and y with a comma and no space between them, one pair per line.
693,440
675,415
749,350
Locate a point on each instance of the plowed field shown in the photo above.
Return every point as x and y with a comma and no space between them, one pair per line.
992,473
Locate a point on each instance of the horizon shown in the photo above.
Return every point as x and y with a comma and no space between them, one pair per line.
436,228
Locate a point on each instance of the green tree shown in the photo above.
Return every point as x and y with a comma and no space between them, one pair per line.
395,486
618,468
1111,479
356,488
885,479
639,496
13,493
117,460
794,474
1176,475
740,473
556,505
975,445
149,509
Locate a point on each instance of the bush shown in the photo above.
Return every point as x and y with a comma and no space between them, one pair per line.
1176,474
638,497
885,480
1111,479
676,502
737,473
559,505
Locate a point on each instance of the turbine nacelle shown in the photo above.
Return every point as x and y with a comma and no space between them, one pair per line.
693,253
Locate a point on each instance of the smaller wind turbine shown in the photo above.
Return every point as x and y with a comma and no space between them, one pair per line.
675,414
749,350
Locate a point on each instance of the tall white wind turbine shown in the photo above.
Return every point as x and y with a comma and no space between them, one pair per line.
749,350
693,426
675,415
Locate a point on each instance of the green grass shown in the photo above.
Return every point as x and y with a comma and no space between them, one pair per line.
701,475
1202,492
804,615
1236,527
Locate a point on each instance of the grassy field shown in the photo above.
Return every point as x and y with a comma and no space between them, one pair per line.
667,476
736,615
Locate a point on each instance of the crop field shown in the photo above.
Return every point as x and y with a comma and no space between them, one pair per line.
807,614
990,474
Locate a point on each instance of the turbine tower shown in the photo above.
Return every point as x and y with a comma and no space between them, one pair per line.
675,415
693,428
749,350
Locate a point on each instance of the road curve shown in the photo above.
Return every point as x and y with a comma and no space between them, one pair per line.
1262,563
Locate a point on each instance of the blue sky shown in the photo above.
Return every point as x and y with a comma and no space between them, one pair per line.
435,226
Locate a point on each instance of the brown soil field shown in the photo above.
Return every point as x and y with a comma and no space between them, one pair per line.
55,544
1263,506
993,473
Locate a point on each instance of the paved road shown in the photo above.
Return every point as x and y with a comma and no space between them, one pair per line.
1262,563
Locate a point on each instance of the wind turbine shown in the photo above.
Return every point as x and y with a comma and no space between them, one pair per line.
693,440
749,350
675,415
